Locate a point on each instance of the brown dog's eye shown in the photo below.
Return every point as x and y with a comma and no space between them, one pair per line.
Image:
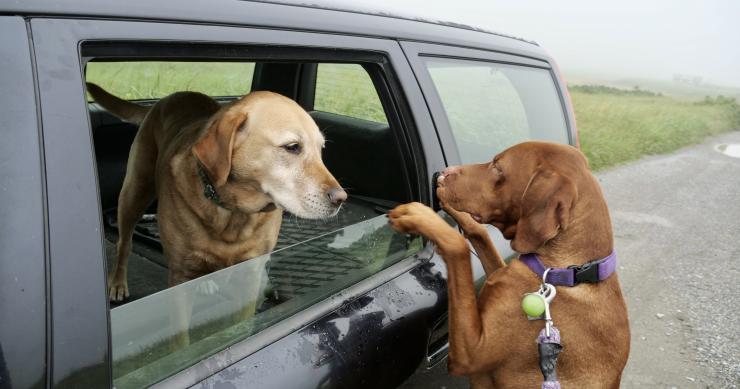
294,148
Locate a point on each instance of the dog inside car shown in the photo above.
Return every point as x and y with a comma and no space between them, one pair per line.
544,199
221,175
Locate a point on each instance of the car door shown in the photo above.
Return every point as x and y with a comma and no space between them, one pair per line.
23,238
369,330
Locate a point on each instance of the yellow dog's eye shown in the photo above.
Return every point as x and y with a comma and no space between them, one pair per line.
294,147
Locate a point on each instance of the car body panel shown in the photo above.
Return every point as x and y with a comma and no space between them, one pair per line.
56,46
303,17
79,317
23,288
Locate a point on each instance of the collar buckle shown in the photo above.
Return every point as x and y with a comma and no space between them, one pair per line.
588,272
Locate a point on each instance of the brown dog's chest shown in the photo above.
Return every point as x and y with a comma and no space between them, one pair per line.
592,320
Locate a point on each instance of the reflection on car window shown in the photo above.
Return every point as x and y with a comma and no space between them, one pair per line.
155,79
346,89
492,106
236,302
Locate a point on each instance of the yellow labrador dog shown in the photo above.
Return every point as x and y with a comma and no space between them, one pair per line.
222,177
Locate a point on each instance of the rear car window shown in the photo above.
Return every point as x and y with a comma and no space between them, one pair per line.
491,106
346,89
146,80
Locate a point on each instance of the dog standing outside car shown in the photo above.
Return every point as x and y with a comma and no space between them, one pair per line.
544,199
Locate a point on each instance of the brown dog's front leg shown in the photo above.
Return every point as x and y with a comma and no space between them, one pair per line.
478,236
464,318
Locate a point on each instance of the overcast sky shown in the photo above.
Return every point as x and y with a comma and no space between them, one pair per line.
628,38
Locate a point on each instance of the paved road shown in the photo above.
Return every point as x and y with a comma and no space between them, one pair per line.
677,227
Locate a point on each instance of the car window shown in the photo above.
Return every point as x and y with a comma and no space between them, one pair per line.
347,89
156,79
161,330
491,106
234,303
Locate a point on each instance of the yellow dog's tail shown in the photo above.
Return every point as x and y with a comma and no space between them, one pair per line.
124,110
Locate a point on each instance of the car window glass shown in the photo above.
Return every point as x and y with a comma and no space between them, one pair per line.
156,79
492,106
347,89
161,330
234,303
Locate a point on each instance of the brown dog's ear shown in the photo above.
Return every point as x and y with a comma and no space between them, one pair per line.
545,208
214,149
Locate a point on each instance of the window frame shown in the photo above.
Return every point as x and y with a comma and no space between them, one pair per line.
417,52
72,182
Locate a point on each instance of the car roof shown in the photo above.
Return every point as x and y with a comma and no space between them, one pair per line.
318,15
367,10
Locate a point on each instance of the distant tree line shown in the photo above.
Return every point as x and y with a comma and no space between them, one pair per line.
719,100
603,89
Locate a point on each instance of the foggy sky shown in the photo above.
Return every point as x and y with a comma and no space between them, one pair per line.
630,38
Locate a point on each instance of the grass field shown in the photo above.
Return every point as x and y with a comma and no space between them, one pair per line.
616,125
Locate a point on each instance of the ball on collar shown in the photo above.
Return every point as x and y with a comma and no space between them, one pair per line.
533,305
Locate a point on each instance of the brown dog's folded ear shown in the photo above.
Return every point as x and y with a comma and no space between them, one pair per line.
545,208
214,149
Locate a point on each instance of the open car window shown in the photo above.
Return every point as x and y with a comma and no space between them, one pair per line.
147,80
313,259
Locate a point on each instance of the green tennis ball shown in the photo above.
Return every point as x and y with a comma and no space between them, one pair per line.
533,305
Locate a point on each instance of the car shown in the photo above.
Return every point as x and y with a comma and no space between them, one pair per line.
347,302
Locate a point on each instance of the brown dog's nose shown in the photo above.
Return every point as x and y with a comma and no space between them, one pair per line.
337,196
451,170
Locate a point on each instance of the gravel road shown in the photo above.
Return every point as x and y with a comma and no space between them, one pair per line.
677,228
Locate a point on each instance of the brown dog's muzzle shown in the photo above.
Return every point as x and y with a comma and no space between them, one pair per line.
466,188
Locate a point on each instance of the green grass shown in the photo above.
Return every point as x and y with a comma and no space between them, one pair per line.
154,80
341,88
616,127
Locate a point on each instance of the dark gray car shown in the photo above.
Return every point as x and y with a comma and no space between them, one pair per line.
340,303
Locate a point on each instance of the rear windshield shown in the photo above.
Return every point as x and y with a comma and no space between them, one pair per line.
491,106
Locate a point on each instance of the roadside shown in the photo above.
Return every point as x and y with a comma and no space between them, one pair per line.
676,222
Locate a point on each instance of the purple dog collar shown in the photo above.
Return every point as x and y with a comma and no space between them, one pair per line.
593,271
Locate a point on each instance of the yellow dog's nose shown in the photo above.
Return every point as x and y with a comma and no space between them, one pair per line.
337,196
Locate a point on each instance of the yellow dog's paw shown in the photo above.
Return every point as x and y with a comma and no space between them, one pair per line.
118,290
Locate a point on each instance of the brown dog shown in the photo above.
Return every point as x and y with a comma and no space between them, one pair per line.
222,177
543,198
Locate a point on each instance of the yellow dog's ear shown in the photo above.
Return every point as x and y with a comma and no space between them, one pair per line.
215,147
546,207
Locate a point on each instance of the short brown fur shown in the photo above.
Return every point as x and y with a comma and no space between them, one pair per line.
543,197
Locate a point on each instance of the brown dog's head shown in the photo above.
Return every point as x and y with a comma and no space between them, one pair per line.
528,191
264,148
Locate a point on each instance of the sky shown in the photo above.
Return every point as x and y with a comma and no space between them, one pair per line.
652,39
